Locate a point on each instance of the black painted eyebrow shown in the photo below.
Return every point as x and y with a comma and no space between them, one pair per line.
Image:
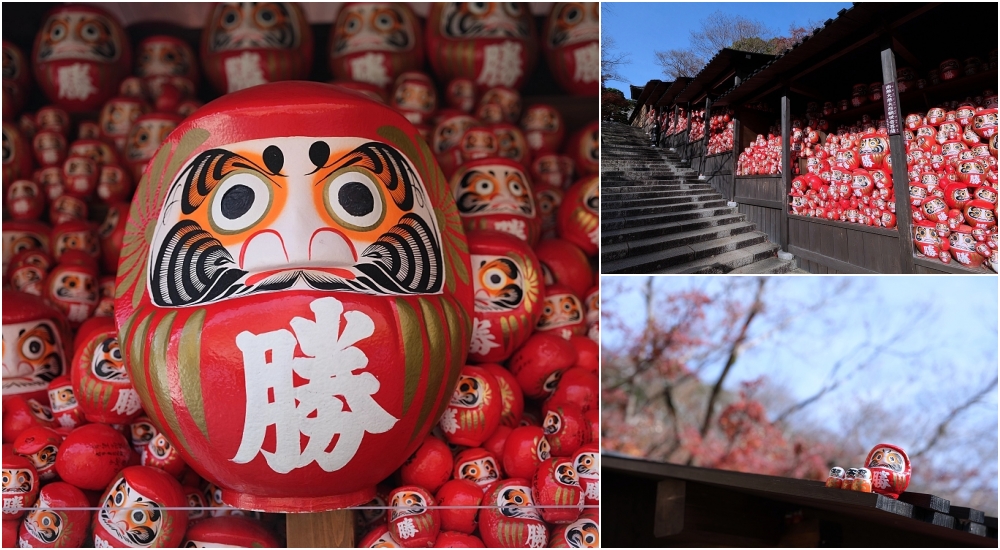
216,163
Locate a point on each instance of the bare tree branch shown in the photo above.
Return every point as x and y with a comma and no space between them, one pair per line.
942,427
612,60
734,351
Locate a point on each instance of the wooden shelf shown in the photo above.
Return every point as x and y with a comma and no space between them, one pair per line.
846,225
954,267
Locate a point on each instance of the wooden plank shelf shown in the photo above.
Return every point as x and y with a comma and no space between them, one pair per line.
927,265
658,504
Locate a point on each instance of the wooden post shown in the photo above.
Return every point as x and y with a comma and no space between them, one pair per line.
704,143
737,129
334,529
897,146
673,136
786,165
737,142
668,517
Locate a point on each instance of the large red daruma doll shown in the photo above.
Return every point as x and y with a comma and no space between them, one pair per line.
375,43
80,56
570,41
493,43
249,43
294,296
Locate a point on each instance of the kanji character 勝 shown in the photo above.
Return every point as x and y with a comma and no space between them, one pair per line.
244,71
406,528
482,340
502,64
75,82
317,408
587,66
370,67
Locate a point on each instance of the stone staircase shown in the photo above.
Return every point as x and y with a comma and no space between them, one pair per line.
657,217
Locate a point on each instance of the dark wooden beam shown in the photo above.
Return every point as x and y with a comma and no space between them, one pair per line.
900,177
903,52
669,514
786,165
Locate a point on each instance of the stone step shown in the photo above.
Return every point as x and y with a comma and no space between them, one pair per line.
662,201
675,241
727,262
770,266
647,194
658,261
643,232
679,207
660,218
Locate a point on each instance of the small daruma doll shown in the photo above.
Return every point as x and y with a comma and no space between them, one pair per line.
474,408
413,520
890,469
512,520
34,336
281,230
507,287
139,510
492,43
144,138
248,43
81,54
578,218
569,40
375,42
100,381
495,193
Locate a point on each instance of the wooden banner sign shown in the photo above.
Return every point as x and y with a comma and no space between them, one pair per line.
891,104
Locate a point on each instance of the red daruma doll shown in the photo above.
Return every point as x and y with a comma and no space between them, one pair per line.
506,281
245,44
34,334
570,43
890,469
375,42
81,54
272,245
493,43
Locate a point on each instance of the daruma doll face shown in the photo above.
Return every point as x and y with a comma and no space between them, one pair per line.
266,256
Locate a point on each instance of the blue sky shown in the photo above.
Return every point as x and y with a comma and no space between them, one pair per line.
957,338
642,28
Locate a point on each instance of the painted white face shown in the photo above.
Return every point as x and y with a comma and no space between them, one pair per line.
252,25
62,398
516,501
131,517
560,310
374,27
32,356
573,23
494,189
43,523
79,35
588,466
552,423
583,533
407,503
885,457
470,392
334,214
163,58
482,471
107,364
498,284
464,20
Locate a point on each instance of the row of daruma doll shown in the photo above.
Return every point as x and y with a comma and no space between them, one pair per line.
886,472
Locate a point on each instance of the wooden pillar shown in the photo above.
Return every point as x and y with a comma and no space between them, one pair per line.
736,155
786,165
668,517
673,136
686,136
704,143
334,529
736,142
897,146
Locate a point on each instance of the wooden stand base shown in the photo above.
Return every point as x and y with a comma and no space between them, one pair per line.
334,529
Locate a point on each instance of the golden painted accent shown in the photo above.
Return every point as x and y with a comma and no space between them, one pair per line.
435,339
459,347
413,350
137,364
189,368
161,383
